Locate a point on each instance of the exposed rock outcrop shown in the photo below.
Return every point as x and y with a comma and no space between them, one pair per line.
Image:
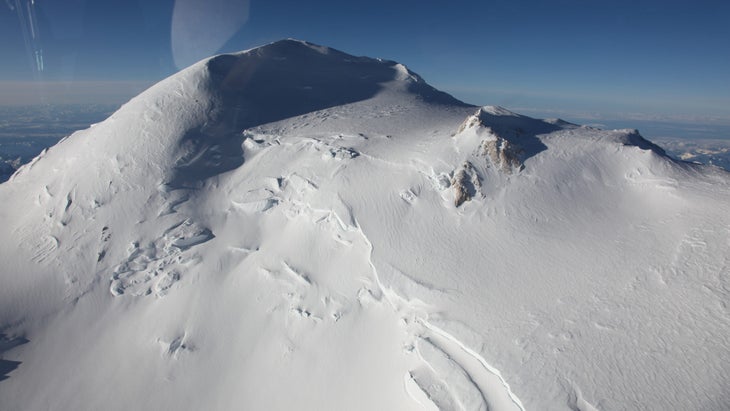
465,184
498,146
503,154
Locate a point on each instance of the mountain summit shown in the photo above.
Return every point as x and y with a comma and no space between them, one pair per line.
293,227
290,77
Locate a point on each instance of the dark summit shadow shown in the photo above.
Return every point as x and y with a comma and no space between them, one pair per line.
6,344
284,79
290,78
635,139
6,367
519,130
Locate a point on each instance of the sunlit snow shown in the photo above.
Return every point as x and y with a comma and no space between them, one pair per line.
292,227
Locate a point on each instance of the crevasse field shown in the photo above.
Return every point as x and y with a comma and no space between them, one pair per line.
292,227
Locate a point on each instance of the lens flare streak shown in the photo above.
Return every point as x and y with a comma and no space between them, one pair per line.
26,10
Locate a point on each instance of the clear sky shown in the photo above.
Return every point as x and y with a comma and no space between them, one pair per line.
637,59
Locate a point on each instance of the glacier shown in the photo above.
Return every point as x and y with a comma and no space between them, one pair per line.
293,227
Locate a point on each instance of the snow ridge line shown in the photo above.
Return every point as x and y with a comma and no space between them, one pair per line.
387,294
476,356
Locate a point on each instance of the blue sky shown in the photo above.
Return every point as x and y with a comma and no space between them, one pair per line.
587,58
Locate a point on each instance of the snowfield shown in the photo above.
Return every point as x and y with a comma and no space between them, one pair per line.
292,227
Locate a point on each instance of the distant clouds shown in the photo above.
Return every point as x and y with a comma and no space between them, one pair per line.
624,115
69,92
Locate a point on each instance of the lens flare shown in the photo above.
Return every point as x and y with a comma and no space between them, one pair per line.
200,29
26,10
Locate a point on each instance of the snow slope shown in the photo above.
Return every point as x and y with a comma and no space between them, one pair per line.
292,227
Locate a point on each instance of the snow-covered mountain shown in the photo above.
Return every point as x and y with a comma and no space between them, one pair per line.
292,227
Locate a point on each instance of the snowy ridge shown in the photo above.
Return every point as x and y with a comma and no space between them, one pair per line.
293,227
494,392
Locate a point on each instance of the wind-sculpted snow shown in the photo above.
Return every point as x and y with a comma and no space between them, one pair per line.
292,227
160,261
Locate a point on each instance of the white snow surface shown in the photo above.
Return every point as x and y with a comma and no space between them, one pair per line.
276,229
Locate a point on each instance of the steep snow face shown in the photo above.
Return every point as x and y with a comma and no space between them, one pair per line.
292,227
